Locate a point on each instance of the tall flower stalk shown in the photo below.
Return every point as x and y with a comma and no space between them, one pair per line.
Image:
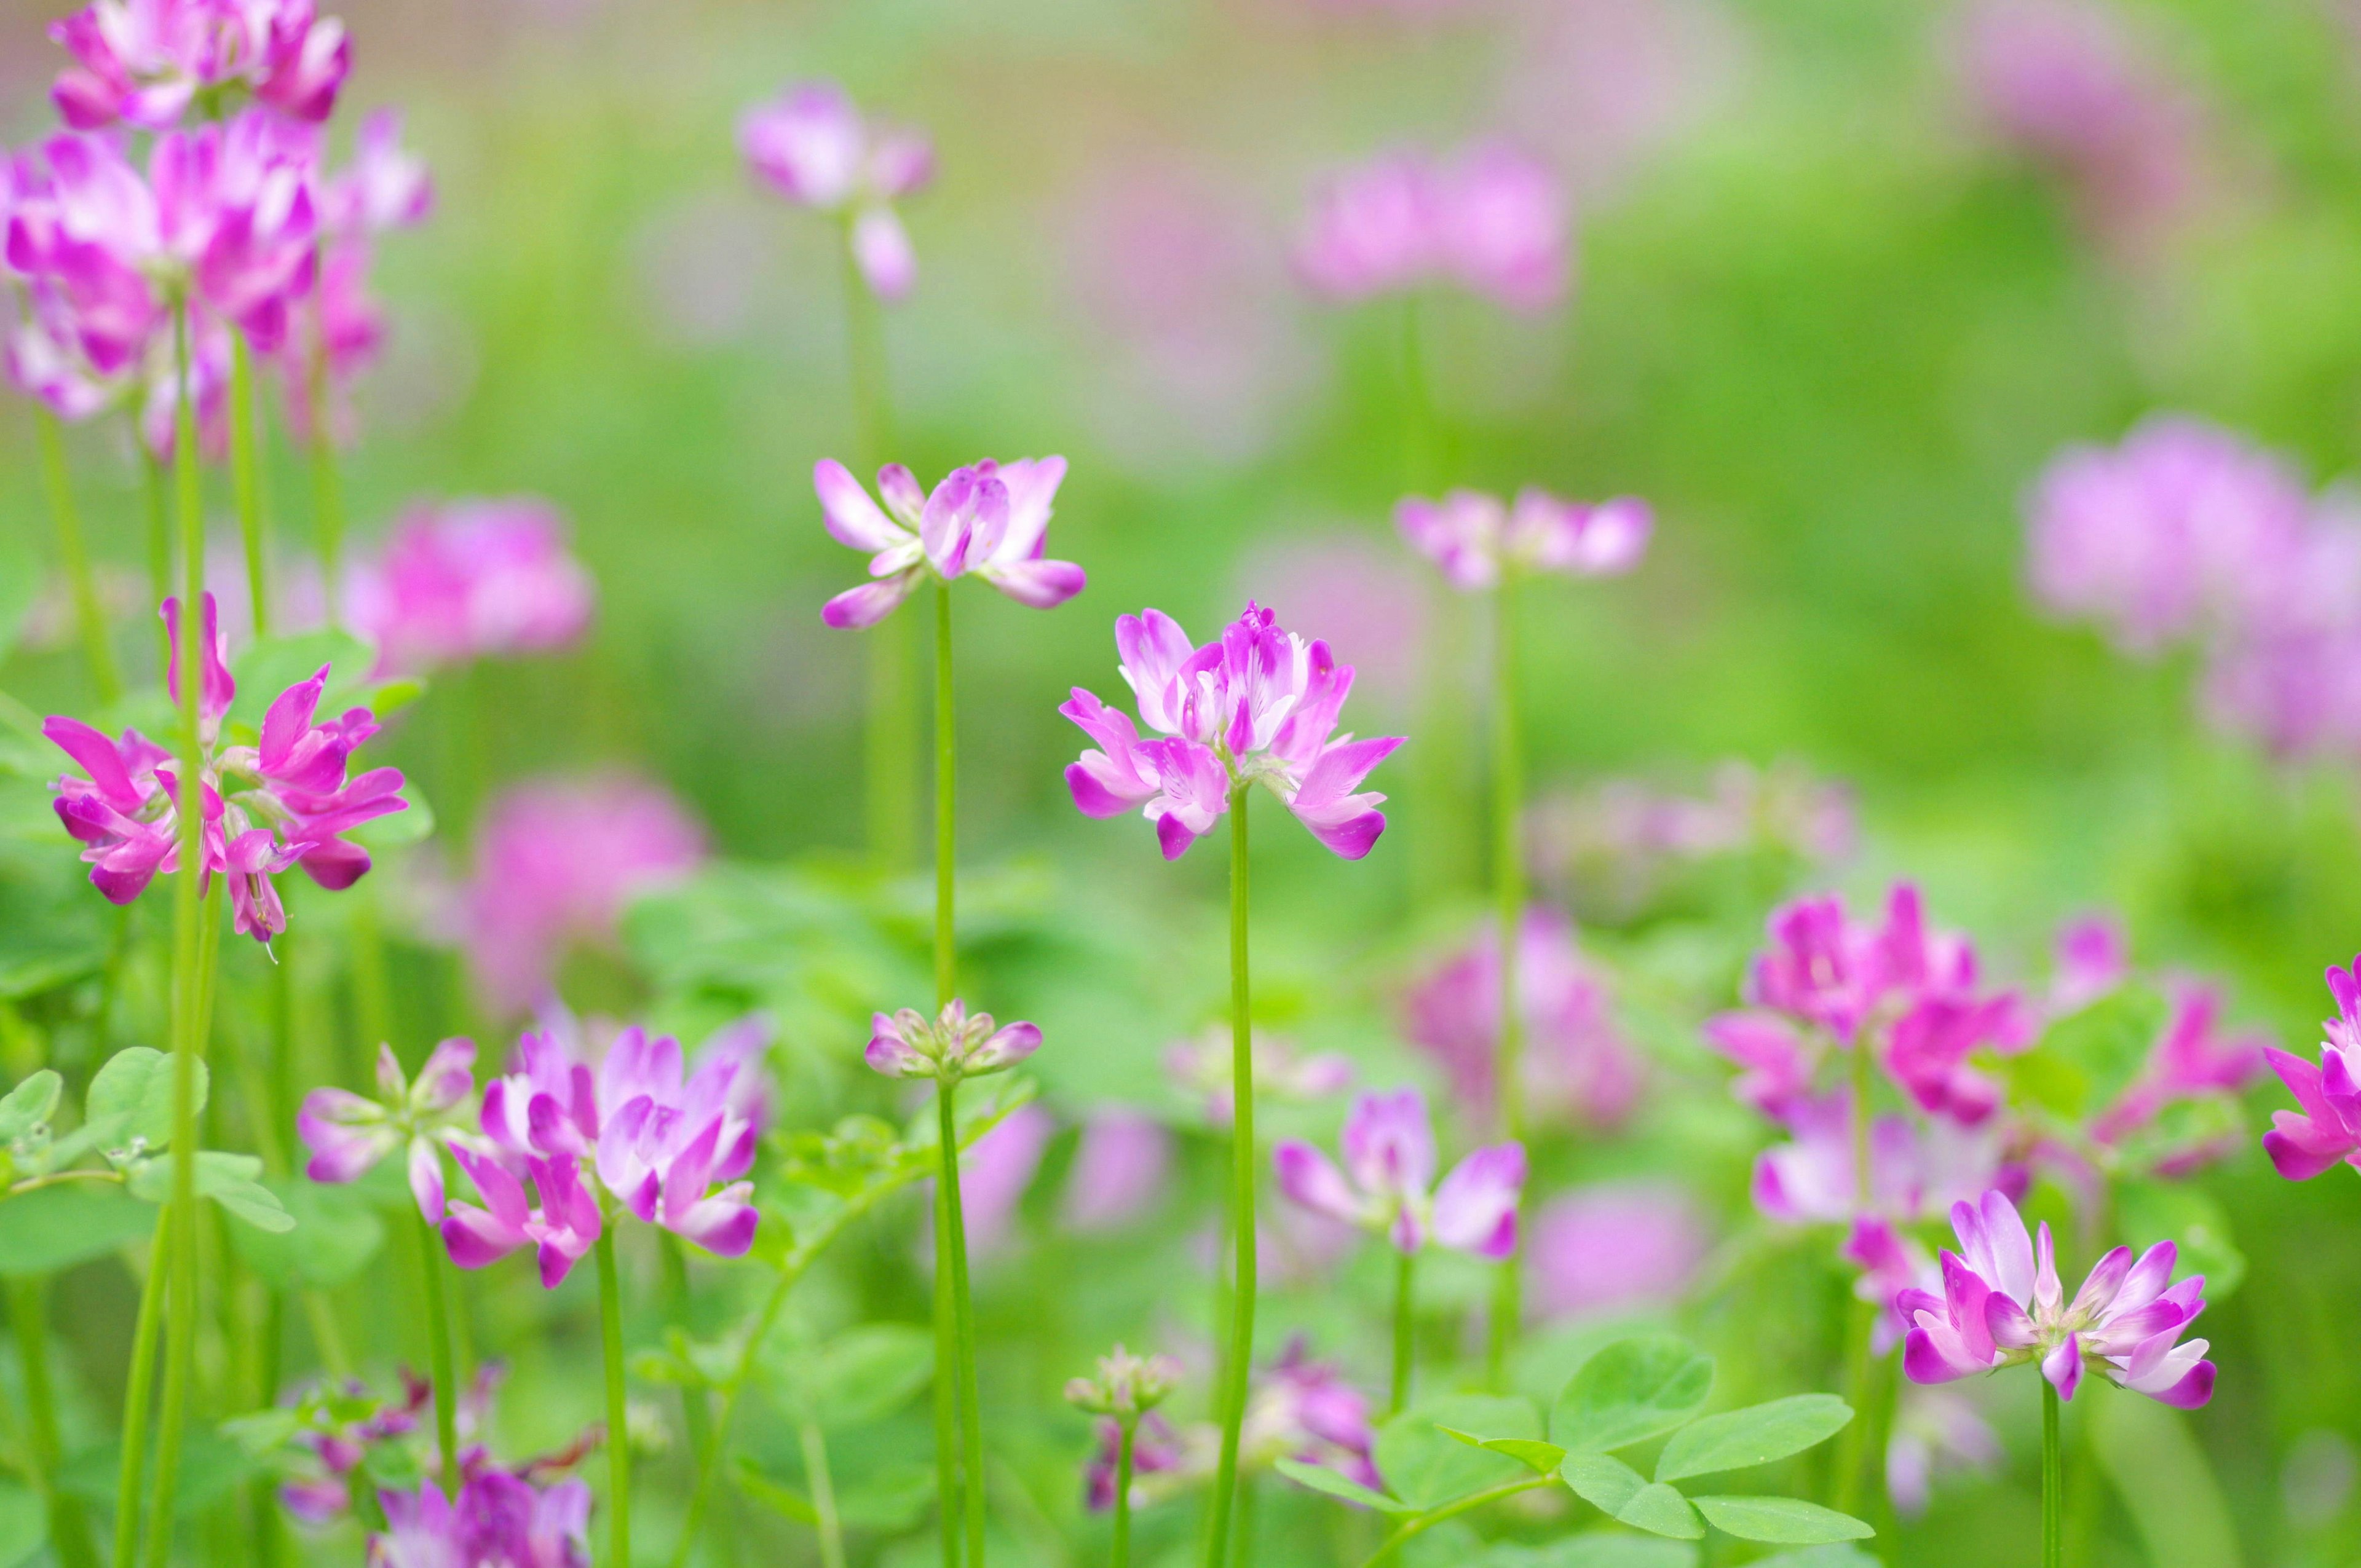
1237,1355
1127,1387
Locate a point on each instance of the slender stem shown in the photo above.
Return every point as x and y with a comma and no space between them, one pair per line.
327,488
950,1381
89,619
1404,1265
945,803
2053,1482
946,1391
1238,1355
1509,891
1249,1498
137,1389
438,1352
244,481
1864,1175
155,491
1126,1428
952,1243
28,1314
1414,1528
823,1490
618,1436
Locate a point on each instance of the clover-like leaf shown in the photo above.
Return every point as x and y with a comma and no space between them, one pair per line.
1632,1390
1755,1436
1788,1522
1539,1456
57,1227
30,1105
227,1178
332,1233
1425,1468
130,1103
1320,1478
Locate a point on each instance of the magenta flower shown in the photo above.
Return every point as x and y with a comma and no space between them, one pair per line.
499,1520
1491,220
1305,1410
558,862
990,519
2002,1304
2326,1130
1121,1168
1615,1247
385,186
1391,1188
144,62
1259,705
811,146
1478,539
1155,1450
1361,592
1576,1062
347,1133
2192,1061
283,802
2093,957
948,1047
474,579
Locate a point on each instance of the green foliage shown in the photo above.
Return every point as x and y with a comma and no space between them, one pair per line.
1320,1478
1594,1549
331,1236
58,1227
1756,1435
130,1101
229,1180
1629,1392
1425,1467
864,1374
2147,1212
1789,1522
2167,1485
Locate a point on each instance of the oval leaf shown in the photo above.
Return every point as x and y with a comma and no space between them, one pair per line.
1427,1469
1320,1478
1755,1436
1602,1481
227,1178
30,1104
1632,1390
1790,1522
1534,1454
130,1103
1661,1511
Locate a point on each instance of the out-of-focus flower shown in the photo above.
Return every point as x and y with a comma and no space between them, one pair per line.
1155,1450
1615,1247
2093,957
1576,1062
1935,1432
283,802
385,186
558,862
1127,1386
1202,1066
2284,673
2192,1060
811,146
1916,1170
2326,1130
1389,1153
1477,539
501,1520
1258,704
996,1170
347,1135
948,1047
1304,1410
990,519
473,579
145,61
1120,1170
2002,1304
1491,220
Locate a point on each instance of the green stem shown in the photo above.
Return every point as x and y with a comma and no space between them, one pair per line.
951,1243
823,1490
1404,1266
244,482
1238,1355
327,487
1120,1555
2053,1482
1509,891
946,803
89,616
946,1394
1415,1527
28,1314
137,1390
438,1354
155,491
618,1436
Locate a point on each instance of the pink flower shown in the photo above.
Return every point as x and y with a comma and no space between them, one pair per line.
561,1229
385,186
501,1520
2326,1130
474,579
1259,705
2191,1061
948,1047
1476,539
990,519
347,1135
995,1171
1364,594
1615,1247
2002,1304
556,863
143,61
1492,221
1576,1062
1202,1066
812,147
1155,1450
1914,1170
1390,1154
1120,1171
342,327
1305,1410
2093,957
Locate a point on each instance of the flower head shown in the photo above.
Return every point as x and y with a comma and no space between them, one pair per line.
1615,1247
1491,220
1259,704
1387,1184
1122,1166
1127,1386
1200,1065
2326,1129
948,1047
145,61
1305,1410
990,519
2002,1304
1479,540
348,1134
811,146
1155,1450
474,579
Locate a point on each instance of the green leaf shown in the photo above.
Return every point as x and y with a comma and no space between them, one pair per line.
1632,1390
2150,1211
1755,1436
1789,1522
130,1103
30,1105
24,1524
862,1374
1662,1510
333,1233
1604,1482
57,1227
773,1495
1320,1478
2086,1059
227,1178
1539,1456
1426,1469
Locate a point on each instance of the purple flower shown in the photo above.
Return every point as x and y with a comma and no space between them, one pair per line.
501,1520
1478,539
474,579
556,863
347,1135
2002,1304
385,186
144,62
1390,1154
1202,1066
1491,220
1615,1247
1916,1170
283,802
990,518
1305,1410
1367,597
2326,1130
812,147
948,1047
2192,1061
1576,1062
1259,704
1121,1168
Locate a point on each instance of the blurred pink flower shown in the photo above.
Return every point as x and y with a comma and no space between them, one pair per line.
2093,957
144,62
2192,1061
1476,539
1916,1170
1599,85
1387,1184
989,519
1615,1247
995,1171
557,861
1120,1171
812,147
1201,1067
1491,220
1935,1432
472,579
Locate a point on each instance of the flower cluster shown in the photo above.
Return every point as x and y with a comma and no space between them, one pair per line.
2325,1130
1258,704
988,519
1127,1386
1201,1067
1480,541
811,146
1387,1184
1491,220
147,62
281,801
472,579
348,1134
948,1047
